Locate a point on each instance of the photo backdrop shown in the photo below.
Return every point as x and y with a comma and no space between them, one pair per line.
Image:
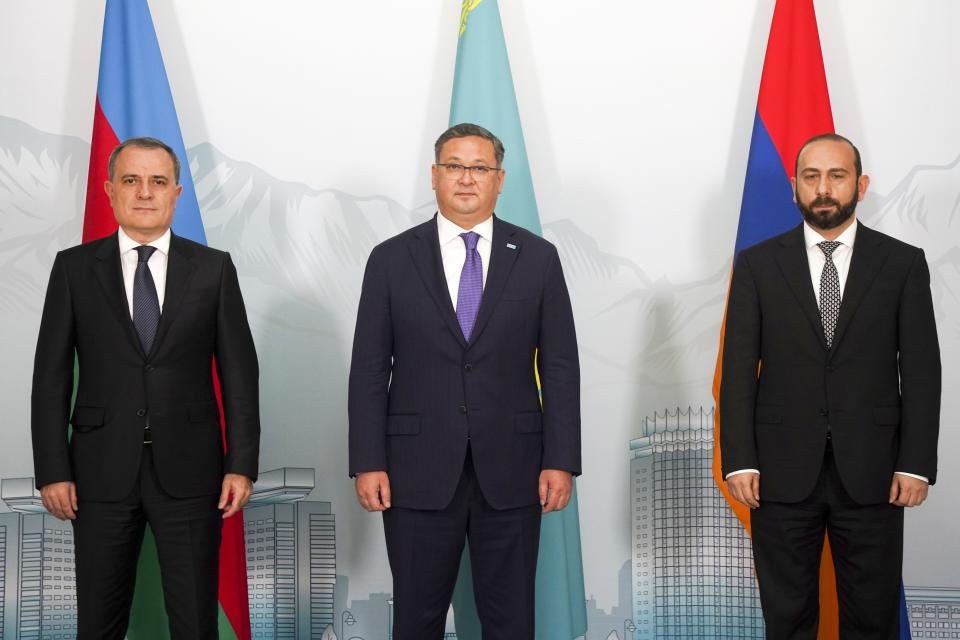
309,131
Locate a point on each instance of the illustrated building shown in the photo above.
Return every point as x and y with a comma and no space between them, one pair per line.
291,557
291,562
37,582
933,612
692,565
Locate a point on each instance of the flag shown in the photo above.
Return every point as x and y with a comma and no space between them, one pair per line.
134,99
483,94
793,106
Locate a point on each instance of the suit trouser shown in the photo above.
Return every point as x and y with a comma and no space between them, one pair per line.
108,536
867,546
425,547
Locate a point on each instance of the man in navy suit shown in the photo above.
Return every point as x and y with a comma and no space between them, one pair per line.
448,437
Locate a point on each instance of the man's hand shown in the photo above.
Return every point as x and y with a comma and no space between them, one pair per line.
373,490
556,488
60,499
235,493
906,491
745,488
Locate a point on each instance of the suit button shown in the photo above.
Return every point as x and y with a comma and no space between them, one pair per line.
829,368
149,368
463,408
141,412
824,412
468,367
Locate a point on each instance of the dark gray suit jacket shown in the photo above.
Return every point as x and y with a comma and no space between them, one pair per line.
877,388
86,319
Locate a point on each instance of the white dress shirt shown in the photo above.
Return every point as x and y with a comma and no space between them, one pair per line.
453,251
157,264
841,255
817,260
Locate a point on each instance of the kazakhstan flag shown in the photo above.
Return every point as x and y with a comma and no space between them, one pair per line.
483,94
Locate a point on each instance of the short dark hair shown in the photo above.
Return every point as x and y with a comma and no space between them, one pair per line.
143,142
833,137
464,130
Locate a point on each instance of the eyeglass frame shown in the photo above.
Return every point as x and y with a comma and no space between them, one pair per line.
485,172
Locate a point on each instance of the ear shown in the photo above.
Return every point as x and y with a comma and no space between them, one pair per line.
434,176
793,188
862,183
501,174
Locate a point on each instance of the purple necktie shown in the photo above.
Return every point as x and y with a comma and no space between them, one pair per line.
471,285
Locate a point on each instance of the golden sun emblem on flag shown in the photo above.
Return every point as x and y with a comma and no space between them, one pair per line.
468,6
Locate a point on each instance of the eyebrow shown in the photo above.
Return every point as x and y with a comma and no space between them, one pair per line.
830,170
460,160
136,175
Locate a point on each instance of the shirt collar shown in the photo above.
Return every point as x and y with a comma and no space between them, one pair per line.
448,231
811,237
128,244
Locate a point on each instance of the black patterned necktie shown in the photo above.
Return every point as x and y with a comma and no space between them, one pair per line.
829,290
146,304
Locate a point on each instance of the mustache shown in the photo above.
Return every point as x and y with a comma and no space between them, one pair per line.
824,200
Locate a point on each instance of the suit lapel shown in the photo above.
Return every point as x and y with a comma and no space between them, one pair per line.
109,273
795,267
502,259
180,268
425,251
868,256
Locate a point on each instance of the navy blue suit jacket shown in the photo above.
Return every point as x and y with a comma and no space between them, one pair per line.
419,392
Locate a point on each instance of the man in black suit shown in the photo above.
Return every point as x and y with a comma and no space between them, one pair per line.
146,445
830,397
447,435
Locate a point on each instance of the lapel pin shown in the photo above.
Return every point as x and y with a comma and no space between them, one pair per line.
511,246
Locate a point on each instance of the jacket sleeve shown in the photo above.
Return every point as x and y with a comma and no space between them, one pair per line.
53,369
920,375
238,370
559,367
370,368
740,360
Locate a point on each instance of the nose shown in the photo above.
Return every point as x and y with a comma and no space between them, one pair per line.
143,190
823,186
467,177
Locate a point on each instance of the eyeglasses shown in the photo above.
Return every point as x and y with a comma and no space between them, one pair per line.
453,171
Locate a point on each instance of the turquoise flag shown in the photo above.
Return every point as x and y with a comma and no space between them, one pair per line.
483,94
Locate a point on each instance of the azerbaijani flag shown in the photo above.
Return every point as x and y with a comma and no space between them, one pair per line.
483,94
133,99
793,106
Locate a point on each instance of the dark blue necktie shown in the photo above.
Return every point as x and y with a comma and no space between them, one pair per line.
146,304
471,285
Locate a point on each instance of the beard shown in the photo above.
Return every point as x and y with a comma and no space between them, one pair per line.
830,219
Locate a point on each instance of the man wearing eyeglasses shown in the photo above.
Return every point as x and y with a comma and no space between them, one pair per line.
447,435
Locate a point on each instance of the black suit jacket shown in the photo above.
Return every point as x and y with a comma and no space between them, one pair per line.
418,390
86,315
878,387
